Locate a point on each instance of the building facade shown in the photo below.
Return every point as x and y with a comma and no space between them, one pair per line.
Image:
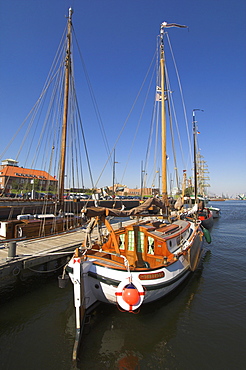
14,177
123,190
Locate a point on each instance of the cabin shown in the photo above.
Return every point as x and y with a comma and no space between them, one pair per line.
147,245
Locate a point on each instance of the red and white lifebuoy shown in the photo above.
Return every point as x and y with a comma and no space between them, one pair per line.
130,294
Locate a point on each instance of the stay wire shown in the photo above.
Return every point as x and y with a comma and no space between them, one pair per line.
126,120
93,98
182,97
138,125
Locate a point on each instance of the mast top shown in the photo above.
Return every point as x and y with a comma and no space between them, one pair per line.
70,13
168,25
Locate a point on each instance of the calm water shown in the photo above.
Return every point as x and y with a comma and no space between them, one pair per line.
201,326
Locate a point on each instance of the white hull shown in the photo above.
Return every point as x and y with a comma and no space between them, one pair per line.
154,289
100,283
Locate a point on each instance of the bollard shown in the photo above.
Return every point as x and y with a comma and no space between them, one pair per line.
12,249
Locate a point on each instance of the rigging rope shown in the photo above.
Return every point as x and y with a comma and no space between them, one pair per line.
126,120
182,97
94,101
139,121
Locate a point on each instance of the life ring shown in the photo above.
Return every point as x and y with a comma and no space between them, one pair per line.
16,271
130,294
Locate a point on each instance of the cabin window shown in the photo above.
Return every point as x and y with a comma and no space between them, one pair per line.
140,241
131,240
122,241
150,245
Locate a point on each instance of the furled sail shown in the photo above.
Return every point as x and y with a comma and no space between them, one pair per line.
102,211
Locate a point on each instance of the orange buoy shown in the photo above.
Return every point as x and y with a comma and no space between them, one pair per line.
130,294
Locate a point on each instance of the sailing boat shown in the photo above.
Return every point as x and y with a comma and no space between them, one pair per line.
61,217
143,260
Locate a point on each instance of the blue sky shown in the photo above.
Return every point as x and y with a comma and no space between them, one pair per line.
118,40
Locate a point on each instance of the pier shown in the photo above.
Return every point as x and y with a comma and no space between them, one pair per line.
23,259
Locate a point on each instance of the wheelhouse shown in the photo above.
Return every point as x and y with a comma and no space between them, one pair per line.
148,245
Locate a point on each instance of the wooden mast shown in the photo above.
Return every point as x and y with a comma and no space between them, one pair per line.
163,119
163,110
183,185
65,111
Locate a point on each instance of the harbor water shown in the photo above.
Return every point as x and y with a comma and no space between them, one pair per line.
201,326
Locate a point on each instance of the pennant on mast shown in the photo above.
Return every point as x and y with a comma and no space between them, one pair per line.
169,25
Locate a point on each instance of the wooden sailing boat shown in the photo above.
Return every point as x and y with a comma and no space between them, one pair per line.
142,261
60,220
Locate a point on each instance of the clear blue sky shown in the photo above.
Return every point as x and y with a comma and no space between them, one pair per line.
118,40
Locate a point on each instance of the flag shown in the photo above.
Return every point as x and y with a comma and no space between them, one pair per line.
198,132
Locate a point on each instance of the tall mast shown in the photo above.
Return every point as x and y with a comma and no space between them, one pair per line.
113,187
195,152
65,109
163,119
183,185
163,109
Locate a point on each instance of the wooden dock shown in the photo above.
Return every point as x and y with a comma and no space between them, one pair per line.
29,250
34,257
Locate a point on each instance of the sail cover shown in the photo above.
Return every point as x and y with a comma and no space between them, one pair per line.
102,211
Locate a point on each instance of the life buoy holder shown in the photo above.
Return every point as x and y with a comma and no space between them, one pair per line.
130,294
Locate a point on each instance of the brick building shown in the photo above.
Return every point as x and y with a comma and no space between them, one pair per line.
124,190
11,175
